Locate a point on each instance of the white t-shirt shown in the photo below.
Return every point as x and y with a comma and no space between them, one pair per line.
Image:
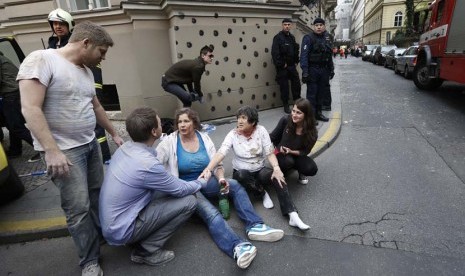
249,153
67,106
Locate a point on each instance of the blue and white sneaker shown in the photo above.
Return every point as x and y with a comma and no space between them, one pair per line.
262,232
244,253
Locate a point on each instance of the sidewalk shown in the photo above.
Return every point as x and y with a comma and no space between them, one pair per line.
37,214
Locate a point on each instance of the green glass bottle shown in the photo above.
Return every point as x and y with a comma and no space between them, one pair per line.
223,203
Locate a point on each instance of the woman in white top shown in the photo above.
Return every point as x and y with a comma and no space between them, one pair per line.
251,145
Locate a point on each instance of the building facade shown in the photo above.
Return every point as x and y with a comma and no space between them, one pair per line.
152,35
382,19
357,20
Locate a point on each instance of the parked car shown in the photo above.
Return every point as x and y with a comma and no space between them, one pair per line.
391,56
11,186
367,52
380,53
405,63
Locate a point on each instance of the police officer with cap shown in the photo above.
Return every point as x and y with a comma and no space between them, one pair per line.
317,65
285,54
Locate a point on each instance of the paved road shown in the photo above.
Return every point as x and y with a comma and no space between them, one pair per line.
388,198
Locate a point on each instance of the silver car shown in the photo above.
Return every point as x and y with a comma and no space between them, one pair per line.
391,56
405,63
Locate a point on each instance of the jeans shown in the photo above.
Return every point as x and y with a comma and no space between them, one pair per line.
158,221
177,90
303,164
262,178
79,199
223,235
14,121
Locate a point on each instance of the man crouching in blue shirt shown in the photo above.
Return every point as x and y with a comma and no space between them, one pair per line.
140,203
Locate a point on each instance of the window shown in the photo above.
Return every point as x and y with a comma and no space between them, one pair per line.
79,5
388,38
398,19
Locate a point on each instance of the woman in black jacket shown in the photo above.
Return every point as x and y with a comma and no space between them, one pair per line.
294,137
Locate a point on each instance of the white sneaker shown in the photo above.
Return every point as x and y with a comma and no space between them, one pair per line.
303,179
244,253
92,269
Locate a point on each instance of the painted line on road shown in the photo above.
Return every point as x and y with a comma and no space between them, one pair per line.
30,225
329,136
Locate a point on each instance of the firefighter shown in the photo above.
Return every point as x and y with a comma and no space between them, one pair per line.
62,25
317,66
285,54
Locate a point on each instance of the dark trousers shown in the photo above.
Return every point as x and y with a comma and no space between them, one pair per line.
177,90
283,76
102,140
316,86
14,121
326,98
303,164
255,181
158,221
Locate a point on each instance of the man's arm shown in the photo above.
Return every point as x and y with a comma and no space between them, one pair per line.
196,76
32,98
304,55
276,54
103,121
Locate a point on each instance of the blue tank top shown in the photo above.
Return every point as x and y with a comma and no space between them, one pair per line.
191,164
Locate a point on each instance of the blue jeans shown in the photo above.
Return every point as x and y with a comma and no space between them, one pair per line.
79,199
177,90
221,232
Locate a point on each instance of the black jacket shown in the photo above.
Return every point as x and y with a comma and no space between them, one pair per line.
284,50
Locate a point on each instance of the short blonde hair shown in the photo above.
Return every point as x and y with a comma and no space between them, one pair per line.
96,34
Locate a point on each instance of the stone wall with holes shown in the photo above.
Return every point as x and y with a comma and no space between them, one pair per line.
242,72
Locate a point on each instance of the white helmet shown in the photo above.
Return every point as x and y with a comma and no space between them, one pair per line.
61,16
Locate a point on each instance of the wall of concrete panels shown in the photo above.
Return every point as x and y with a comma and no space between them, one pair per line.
242,72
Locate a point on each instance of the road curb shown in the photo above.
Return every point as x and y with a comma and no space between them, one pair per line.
28,230
330,135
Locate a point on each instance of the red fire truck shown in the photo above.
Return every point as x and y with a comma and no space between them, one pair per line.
441,55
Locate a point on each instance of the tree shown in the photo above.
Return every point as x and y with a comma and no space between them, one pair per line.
410,11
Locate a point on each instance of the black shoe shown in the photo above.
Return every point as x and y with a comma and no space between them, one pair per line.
326,107
320,117
34,158
286,109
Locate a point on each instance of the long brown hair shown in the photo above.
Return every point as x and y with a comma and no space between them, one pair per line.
309,131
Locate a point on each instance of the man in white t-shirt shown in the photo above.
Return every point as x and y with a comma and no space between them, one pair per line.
61,108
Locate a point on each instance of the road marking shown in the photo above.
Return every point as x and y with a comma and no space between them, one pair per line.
329,135
28,225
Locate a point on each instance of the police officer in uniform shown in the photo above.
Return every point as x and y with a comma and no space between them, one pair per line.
317,65
285,54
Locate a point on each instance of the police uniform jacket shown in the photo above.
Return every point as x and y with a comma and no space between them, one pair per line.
316,51
284,50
